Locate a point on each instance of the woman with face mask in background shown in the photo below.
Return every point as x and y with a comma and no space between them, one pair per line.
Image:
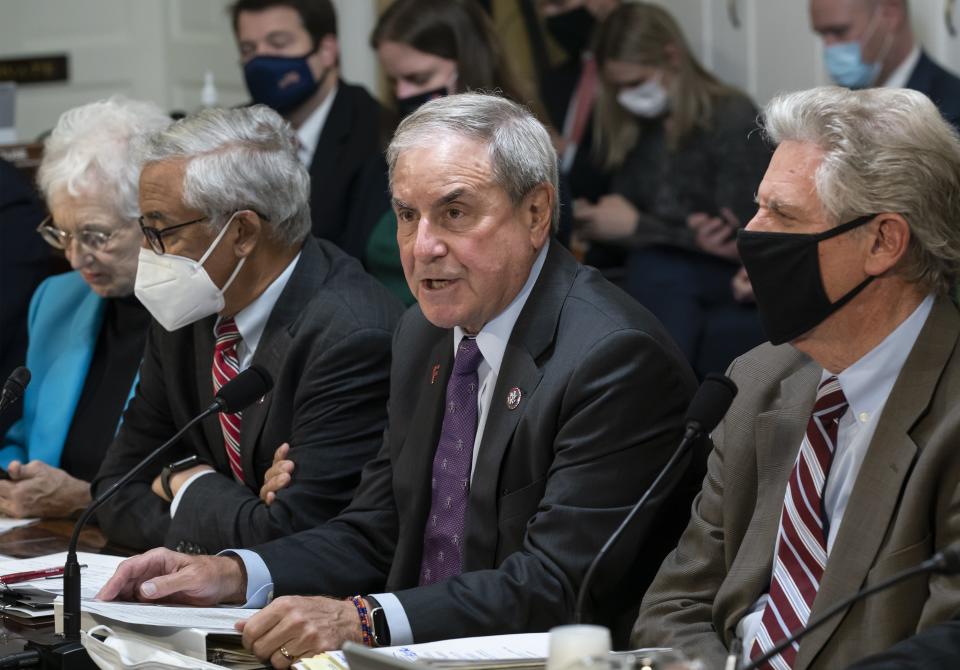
686,163
86,329
428,49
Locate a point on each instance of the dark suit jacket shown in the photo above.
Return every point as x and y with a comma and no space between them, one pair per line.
939,85
24,262
902,507
351,135
937,648
327,345
604,391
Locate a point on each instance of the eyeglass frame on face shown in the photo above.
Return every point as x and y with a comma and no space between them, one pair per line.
60,239
154,235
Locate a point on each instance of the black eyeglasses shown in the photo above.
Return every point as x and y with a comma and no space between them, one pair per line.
155,235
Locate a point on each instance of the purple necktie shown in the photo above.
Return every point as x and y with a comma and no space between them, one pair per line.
443,535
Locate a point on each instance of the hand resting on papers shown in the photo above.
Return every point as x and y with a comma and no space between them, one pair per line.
303,626
161,575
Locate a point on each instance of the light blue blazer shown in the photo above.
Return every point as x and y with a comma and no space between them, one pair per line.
63,324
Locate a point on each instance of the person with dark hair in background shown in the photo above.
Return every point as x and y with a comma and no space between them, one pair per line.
291,63
428,49
24,262
687,162
569,91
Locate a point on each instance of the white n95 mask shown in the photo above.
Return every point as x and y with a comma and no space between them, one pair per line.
177,291
647,100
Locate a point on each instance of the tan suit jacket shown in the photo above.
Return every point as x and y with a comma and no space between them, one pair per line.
904,505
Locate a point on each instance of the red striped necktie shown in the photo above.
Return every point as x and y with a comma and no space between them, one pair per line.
226,365
802,539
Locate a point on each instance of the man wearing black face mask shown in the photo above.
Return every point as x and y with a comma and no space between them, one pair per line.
837,465
569,91
291,62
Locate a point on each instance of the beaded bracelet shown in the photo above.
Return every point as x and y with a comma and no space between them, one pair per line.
364,620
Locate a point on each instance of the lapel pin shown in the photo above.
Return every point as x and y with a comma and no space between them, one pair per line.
435,373
513,398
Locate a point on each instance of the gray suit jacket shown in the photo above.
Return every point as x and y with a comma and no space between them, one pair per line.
903,506
604,392
327,345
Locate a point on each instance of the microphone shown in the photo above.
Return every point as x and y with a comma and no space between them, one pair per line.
946,562
14,387
234,396
709,404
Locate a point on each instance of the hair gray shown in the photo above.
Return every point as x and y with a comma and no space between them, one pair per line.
239,159
91,152
885,150
521,153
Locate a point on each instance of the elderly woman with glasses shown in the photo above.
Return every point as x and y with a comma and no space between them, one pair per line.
87,331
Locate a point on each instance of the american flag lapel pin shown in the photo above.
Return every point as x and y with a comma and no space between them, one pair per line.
435,373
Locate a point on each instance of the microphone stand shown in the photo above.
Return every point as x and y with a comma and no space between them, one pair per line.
71,569
693,432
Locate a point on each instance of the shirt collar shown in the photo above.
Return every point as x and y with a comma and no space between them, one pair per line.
493,337
868,382
252,319
899,77
308,134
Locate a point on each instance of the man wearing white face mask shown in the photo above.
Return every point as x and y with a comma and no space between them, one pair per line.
870,43
231,276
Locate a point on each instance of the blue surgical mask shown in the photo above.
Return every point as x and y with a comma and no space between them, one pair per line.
279,82
845,64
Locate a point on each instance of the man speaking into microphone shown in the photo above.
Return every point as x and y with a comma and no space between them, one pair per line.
232,278
838,464
531,404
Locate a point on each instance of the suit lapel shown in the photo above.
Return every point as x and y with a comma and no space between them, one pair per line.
270,353
275,342
778,434
414,463
531,336
885,468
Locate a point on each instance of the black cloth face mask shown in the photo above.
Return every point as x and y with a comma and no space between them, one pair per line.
784,269
410,104
572,30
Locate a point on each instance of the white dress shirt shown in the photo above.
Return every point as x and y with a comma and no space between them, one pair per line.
899,77
251,321
308,134
866,385
492,342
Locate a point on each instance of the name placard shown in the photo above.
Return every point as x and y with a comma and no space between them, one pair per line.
34,69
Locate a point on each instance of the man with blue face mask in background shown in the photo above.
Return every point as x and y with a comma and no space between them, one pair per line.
291,62
870,43
232,277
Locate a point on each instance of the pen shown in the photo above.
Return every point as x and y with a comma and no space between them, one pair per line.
46,573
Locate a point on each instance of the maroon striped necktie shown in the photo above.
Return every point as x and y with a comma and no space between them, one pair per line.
226,365
802,539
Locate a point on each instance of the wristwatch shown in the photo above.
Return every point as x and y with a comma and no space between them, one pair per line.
176,466
380,629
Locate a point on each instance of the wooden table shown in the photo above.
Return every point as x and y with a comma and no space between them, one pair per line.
45,537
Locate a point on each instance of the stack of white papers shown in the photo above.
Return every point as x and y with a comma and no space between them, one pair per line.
34,598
